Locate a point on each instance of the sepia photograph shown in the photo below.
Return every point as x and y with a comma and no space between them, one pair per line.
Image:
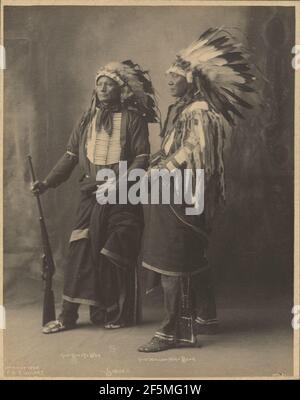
150,210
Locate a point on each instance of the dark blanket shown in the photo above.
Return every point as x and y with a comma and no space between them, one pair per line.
104,247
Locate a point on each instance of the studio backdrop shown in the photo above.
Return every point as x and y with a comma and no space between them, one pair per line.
53,54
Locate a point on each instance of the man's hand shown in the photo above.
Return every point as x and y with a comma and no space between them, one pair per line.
39,187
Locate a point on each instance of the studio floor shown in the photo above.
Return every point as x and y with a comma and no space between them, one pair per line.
255,339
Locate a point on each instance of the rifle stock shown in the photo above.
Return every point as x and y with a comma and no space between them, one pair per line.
48,268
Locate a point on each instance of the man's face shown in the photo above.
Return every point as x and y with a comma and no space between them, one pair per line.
107,90
178,84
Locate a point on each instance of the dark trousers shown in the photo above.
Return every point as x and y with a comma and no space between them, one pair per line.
188,301
69,313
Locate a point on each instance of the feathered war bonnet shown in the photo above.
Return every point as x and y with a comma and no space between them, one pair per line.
217,66
137,91
218,69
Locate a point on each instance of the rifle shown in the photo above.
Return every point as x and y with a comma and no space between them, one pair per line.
48,267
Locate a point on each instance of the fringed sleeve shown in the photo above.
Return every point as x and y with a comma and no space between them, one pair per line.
202,143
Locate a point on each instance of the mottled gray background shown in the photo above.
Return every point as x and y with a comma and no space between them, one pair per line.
52,56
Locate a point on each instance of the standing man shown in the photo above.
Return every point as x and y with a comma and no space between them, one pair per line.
207,79
105,241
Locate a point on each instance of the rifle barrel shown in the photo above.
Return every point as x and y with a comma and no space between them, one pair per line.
48,262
